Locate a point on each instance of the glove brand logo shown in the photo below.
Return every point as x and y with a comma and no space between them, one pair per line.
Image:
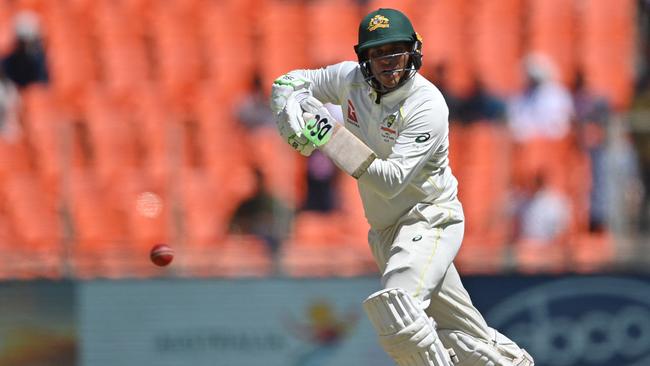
596,321
378,21
319,129
417,238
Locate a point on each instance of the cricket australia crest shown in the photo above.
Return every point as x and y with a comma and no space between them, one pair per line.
378,21
387,128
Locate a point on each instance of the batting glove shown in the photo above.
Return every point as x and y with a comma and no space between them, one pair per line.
290,125
318,122
283,87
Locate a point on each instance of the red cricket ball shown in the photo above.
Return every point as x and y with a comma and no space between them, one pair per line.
161,255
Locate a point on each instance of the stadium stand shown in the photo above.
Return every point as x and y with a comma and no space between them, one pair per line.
134,141
551,30
604,49
490,23
480,159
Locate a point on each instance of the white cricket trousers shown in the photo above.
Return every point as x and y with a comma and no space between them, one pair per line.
416,254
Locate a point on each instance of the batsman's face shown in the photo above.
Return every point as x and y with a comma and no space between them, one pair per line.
388,62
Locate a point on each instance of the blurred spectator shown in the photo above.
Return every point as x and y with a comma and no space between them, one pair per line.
254,111
591,116
9,109
26,63
263,215
544,109
480,104
641,137
438,76
640,114
321,176
544,215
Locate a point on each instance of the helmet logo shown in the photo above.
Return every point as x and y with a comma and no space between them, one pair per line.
378,21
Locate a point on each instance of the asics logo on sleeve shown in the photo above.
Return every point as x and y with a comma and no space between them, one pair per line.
423,137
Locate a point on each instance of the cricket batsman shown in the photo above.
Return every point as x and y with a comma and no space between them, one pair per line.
394,141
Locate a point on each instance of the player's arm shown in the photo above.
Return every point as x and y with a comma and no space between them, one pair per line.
325,84
425,131
289,90
340,145
426,128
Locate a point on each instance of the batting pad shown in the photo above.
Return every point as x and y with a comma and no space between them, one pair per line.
348,152
406,333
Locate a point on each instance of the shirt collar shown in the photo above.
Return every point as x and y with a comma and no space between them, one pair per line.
394,97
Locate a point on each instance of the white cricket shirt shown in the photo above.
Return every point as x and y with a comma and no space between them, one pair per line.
408,131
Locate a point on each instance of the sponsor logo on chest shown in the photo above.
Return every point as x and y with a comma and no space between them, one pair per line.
352,114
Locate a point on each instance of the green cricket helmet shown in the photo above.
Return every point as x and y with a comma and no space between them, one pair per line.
384,26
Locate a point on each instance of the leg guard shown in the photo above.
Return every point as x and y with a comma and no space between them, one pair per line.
406,333
500,351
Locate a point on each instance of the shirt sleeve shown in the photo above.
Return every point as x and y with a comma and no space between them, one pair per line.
327,84
424,133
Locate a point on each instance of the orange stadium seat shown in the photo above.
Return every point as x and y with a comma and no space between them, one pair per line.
551,27
495,22
39,248
282,168
178,56
158,142
541,156
592,252
533,257
100,246
483,189
147,208
232,255
323,261
243,256
607,47
14,157
6,27
355,224
231,152
44,129
282,47
456,147
112,137
229,49
70,53
204,217
121,52
341,19
412,8
320,246
9,258
225,154
442,27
